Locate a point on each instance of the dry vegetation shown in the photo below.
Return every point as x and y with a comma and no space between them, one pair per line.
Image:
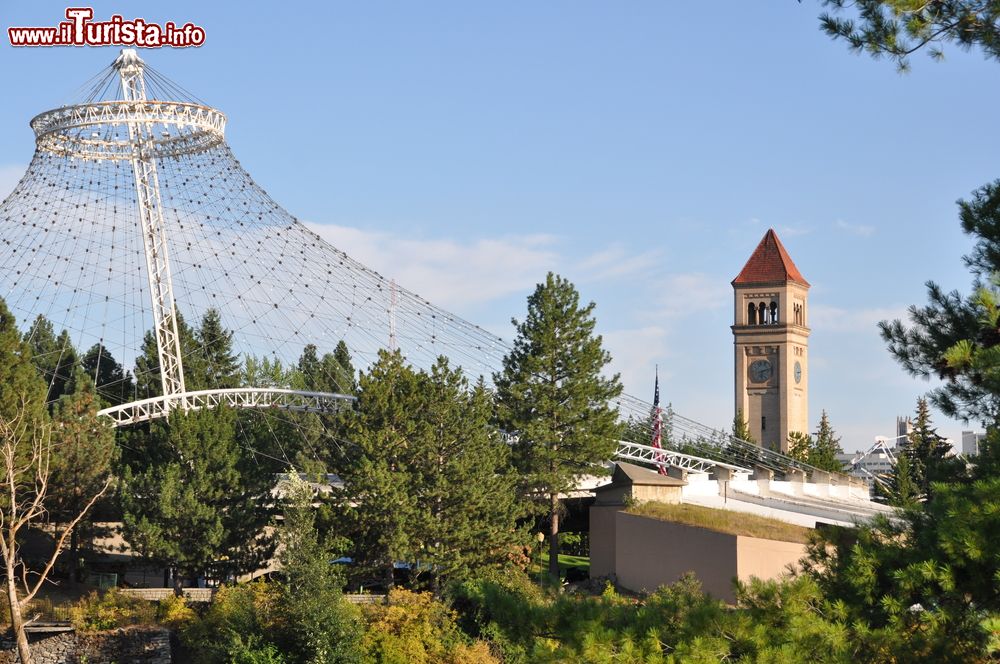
733,523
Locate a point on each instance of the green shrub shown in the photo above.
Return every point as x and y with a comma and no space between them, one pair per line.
416,628
236,613
173,612
98,612
255,651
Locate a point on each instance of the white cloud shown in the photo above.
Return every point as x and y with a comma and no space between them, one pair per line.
837,319
854,229
634,352
682,294
793,231
9,177
453,274
615,262
447,272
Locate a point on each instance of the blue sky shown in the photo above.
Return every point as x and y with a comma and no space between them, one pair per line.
640,149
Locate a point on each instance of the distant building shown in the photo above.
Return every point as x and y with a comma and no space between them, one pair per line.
904,427
971,441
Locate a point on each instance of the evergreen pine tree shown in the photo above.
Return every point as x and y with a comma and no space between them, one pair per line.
338,369
84,451
553,397
147,365
54,356
378,503
926,450
900,489
800,446
196,502
741,429
467,505
826,447
310,368
318,625
112,383
220,365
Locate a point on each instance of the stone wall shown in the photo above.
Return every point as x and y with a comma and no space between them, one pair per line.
139,645
156,594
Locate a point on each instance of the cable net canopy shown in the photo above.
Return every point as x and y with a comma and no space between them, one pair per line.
134,212
73,246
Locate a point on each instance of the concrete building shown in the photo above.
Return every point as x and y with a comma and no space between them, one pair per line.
971,441
631,483
771,337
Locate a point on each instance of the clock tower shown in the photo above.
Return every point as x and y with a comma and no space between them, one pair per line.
771,337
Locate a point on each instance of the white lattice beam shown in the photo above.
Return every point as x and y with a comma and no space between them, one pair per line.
663,457
242,397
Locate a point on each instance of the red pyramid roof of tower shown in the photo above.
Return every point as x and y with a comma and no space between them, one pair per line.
769,263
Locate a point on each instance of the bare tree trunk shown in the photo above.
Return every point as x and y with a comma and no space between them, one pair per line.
554,537
74,556
16,619
178,581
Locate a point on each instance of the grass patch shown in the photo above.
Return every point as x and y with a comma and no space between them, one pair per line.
724,521
566,562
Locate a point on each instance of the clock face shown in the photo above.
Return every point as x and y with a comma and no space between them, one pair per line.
760,371
798,372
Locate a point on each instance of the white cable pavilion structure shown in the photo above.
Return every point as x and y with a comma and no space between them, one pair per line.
134,213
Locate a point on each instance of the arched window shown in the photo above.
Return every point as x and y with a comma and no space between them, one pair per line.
762,313
774,313
751,314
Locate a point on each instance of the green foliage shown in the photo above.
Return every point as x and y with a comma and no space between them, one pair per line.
236,624
195,501
320,626
20,384
415,628
110,610
826,447
430,479
954,337
173,612
219,365
55,357
113,384
898,28
304,619
553,396
800,445
773,622
741,429
902,490
918,580
83,453
927,458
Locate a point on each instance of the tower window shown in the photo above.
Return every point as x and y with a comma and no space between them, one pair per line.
751,314
762,313
763,423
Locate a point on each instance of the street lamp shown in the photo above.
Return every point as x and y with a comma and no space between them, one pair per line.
540,538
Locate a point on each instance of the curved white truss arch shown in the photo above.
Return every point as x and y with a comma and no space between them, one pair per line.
665,457
241,397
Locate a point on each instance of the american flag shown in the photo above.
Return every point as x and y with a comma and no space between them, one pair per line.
658,425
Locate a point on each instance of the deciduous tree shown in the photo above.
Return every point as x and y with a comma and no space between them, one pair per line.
25,471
